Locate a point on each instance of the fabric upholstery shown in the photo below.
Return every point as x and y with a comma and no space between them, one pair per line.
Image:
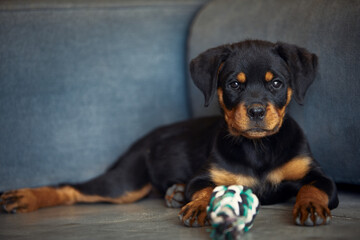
81,80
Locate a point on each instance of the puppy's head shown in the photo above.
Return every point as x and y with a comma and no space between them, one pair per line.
255,81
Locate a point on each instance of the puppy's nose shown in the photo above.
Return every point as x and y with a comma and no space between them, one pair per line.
256,112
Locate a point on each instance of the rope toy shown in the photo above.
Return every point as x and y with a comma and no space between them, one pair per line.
231,211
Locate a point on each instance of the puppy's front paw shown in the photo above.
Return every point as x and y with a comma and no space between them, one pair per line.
194,214
175,196
22,200
311,213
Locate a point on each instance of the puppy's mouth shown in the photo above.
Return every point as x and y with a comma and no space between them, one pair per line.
256,130
253,133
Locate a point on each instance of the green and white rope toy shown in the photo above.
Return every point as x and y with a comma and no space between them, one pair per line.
231,211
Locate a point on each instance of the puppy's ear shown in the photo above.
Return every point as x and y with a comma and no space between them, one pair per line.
204,70
303,66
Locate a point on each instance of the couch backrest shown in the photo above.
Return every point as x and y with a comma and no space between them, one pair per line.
331,29
81,80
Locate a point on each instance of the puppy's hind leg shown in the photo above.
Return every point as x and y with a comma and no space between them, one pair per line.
127,181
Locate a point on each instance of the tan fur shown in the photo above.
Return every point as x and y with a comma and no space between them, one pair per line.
238,122
269,76
311,193
128,197
311,200
223,177
197,207
293,170
203,194
30,199
241,77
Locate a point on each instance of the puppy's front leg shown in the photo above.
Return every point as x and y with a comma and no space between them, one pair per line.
194,213
315,199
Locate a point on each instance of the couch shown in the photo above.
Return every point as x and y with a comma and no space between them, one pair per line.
81,80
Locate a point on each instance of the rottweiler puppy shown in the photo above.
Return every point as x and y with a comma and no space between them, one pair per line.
254,143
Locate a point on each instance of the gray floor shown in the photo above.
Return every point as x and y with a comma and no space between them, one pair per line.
150,219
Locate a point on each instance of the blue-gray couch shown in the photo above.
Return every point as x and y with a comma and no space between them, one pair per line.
81,80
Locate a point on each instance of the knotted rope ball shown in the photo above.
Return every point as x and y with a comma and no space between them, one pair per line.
231,211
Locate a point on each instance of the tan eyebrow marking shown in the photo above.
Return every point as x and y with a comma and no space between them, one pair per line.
269,76
241,77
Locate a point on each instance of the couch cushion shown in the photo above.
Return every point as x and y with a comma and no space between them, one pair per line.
81,80
329,28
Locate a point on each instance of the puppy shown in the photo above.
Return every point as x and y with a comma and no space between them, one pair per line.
254,143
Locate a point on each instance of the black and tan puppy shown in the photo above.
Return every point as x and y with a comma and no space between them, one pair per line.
255,143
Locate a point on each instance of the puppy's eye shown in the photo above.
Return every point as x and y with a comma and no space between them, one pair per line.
276,84
234,85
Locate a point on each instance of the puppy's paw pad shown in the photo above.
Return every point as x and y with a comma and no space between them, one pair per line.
194,214
312,214
175,196
190,222
18,201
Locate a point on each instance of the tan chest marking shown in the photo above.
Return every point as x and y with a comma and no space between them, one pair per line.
222,177
293,170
